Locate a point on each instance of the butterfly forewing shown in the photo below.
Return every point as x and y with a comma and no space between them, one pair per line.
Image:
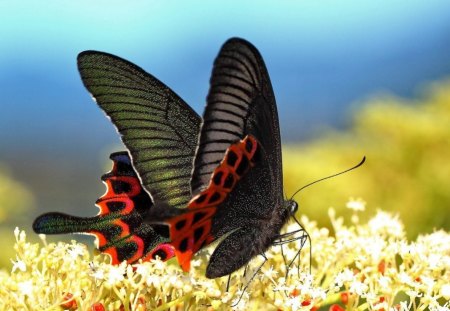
240,102
158,127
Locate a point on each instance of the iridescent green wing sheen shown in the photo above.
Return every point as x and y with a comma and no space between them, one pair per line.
159,129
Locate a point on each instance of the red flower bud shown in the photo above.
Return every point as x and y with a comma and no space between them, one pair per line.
69,301
382,266
344,298
97,307
336,308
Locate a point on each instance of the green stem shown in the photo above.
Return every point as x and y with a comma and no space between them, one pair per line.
172,303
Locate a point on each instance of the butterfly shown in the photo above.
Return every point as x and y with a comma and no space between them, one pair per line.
236,181
226,168
160,132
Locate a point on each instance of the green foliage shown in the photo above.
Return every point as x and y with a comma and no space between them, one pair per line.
407,145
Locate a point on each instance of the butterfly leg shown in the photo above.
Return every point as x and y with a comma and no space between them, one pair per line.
250,280
289,237
228,282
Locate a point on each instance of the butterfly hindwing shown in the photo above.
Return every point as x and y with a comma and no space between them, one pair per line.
159,129
118,228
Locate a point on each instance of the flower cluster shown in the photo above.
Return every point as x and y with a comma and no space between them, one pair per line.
368,266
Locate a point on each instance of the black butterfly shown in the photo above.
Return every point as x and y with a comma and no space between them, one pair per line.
234,179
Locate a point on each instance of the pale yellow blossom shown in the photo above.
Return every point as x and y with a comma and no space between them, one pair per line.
364,266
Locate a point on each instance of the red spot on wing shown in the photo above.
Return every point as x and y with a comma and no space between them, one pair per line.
161,250
190,231
100,238
112,251
135,189
184,259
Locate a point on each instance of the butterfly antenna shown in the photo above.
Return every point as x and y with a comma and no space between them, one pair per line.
334,175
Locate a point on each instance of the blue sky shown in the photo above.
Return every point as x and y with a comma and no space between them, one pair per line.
323,57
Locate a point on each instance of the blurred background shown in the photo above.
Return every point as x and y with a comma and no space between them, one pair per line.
351,79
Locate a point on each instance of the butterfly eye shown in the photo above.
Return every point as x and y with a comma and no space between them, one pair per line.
293,207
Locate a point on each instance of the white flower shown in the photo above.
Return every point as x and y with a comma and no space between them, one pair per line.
358,288
356,204
16,233
294,303
26,287
280,285
405,278
445,291
19,264
413,294
318,293
384,223
196,263
76,250
404,306
116,274
434,261
158,264
143,269
381,306
271,272
343,277
154,280
98,275
384,282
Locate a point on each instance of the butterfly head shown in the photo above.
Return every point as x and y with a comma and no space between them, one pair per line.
291,206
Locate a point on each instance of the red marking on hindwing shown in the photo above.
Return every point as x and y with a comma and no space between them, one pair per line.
135,189
165,251
191,231
100,238
113,251
120,192
140,248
